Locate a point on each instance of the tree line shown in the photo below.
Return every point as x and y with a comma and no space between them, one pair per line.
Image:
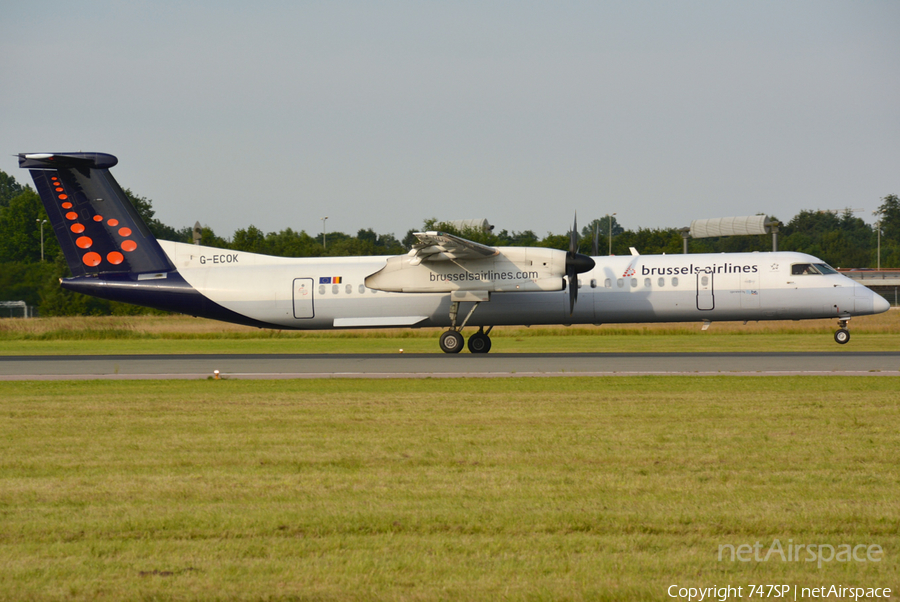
30,273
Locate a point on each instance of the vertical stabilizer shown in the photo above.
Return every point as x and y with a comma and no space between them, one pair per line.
98,228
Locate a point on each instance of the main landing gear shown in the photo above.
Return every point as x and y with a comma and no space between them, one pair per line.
842,335
452,341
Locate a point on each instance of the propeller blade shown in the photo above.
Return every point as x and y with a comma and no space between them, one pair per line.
575,264
573,288
573,236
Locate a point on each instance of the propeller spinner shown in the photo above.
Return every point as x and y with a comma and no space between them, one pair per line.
575,264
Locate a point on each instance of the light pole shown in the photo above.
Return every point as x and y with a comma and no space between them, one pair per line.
42,222
323,232
878,227
609,218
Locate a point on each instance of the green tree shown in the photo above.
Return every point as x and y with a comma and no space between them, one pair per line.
555,241
289,243
648,242
20,230
9,188
379,244
526,238
251,240
602,224
840,240
23,281
889,214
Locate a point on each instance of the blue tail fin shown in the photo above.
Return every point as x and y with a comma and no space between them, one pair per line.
98,228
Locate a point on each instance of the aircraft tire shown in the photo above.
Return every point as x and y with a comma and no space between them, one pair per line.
451,342
479,343
841,336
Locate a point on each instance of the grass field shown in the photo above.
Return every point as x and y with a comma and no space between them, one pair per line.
512,489
181,334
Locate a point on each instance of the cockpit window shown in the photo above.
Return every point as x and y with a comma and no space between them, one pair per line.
799,269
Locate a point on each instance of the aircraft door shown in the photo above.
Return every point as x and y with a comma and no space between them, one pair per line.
303,298
705,297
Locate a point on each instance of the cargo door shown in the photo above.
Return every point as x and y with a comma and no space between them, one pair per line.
303,298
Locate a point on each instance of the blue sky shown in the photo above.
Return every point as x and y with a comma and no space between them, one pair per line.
385,114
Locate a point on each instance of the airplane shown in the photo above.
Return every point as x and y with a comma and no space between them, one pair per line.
444,281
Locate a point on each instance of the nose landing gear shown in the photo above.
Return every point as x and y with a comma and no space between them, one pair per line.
842,335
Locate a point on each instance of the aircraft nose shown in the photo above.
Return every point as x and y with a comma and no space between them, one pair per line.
879,303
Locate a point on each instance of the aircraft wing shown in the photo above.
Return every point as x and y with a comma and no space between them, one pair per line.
440,246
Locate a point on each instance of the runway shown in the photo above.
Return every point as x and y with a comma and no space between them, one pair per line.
273,366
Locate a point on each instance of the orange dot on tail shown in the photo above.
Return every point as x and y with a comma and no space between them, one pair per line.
59,189
72,215
54,178
113,222
124,231
91,259
67,205
84,242
77,228
63,197
129,245
98,218
115,258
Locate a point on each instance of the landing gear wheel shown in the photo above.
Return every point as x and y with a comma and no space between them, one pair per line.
841,336
451,342
479,343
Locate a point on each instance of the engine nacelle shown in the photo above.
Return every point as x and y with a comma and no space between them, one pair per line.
513,269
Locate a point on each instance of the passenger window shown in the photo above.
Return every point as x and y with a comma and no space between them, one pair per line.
362,288
579,283
593,283
607,283
674,281
321,289
647,282
661,282
704,280
620,283
634,283
349,289
334,289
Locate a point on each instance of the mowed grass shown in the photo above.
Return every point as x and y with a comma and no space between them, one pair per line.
508,489
182,334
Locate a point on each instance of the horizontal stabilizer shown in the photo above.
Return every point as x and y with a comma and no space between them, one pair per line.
58,160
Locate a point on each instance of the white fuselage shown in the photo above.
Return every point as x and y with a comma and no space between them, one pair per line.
325,293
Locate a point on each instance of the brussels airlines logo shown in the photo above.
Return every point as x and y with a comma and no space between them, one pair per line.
629,271
486,276
715,268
